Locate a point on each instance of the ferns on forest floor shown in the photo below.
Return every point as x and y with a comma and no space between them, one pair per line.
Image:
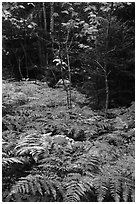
36,184
78,170
51,154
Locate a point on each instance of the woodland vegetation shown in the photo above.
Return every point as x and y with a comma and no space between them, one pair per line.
68,110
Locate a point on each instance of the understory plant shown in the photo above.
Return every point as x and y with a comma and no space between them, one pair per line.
53,155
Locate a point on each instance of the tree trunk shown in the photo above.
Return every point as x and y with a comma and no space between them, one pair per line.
105,63
45,32
40,53
25,54
39,40
51,18
106,89
68,91
52,27
20,69
97,93
62,76
69,72
44,16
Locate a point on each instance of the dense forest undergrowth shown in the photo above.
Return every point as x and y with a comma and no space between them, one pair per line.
54,154
68,92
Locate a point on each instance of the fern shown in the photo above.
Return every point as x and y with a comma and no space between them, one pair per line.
75,165
115,189
33,144
76,187
100,185
113,182
7,159
40,161
10,161
133,194
127,190
36,184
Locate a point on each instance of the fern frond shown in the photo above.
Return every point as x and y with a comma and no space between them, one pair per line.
87,182
115,189
77,186
101,188
34,151
114,138
74,191
128,189
34,145
72,198
88,163
36,184
125,191
52,160
7,161
4,155
133,195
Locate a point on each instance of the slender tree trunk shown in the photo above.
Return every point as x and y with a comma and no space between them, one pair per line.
40,53
69,72
45,19
51,18
23,47
45,30
52,26
97,93
25,54
104,68
38,39
68,64
105,63
106,89
65,87
20,68
60,56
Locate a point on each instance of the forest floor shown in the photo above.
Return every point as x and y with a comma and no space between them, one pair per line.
33,110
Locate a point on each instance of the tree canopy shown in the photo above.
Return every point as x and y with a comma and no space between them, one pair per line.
95,40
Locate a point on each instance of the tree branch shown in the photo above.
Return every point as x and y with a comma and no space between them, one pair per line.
100,65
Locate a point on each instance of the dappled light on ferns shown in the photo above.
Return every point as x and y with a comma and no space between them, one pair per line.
68,171
36,184
50,154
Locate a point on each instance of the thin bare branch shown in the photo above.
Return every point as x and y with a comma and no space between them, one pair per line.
100,65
